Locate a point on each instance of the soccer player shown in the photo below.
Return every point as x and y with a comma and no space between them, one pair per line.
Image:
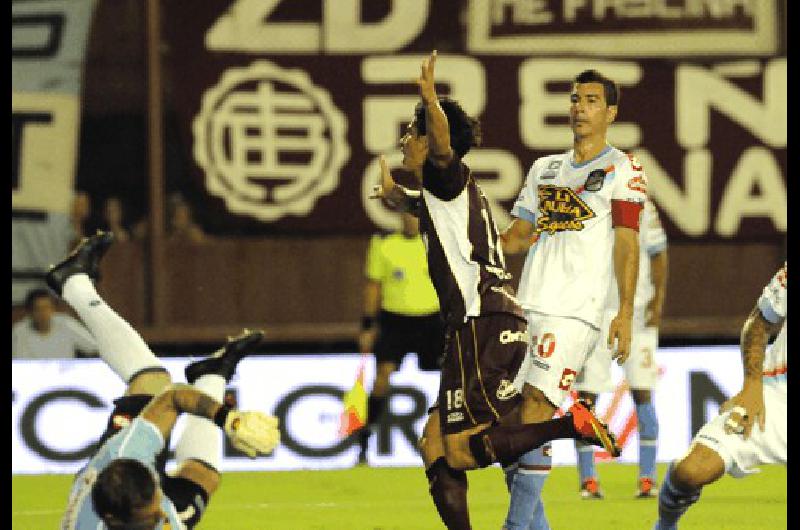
121,487
729,443
401,314
641,371
474,422
585,204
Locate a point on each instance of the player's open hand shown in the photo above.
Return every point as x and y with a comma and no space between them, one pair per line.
252,432
388,190
426,83
746,408
620,332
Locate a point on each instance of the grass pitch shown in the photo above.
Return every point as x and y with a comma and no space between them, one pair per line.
397,498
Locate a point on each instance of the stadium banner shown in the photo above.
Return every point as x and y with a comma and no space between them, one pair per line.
48,44
284,107
60,408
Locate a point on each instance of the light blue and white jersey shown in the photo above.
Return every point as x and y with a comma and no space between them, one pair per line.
574,208
773,304
142,441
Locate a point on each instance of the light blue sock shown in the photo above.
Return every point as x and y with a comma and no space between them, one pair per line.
585,460
673,503
648,439
525,481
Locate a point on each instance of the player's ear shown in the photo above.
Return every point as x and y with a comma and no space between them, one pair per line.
611,114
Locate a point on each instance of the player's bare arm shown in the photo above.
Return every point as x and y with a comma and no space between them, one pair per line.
438,131
626,270
165,408
748,404
518,237
397,197
251,432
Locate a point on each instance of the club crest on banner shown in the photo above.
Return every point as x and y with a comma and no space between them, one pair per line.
270,142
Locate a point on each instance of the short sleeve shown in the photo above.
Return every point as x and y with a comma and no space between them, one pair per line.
655,239
445,183
630,183
374,268
526,204
772,302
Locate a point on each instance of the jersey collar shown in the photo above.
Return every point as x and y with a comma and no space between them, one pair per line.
599,155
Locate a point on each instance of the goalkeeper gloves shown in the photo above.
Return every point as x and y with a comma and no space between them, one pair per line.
251,432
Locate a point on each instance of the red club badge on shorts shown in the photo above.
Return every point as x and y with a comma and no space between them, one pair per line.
567,378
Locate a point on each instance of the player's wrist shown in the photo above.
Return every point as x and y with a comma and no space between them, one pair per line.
221,416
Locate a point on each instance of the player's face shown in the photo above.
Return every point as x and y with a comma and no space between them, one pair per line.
588,112
414,147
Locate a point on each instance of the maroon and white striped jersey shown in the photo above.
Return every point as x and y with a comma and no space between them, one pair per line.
465,261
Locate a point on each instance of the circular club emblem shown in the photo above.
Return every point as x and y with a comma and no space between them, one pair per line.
270,141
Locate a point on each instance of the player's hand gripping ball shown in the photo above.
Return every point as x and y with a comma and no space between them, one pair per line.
252,432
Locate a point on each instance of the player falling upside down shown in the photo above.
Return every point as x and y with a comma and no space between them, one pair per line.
729,443
124,486
475,421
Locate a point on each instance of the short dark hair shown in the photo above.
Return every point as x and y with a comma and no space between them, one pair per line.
122,487
465,131
610,88
34,295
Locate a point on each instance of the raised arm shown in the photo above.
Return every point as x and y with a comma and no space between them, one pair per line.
251,432
436,126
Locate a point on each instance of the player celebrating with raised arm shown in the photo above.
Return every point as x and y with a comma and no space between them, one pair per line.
641,371
124,485
729,443
585,204
474,422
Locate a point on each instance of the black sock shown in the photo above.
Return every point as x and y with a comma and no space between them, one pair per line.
506,443
375,407
448,487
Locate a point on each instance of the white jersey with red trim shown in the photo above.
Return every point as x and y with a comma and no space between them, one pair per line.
652,241
568,271
772,305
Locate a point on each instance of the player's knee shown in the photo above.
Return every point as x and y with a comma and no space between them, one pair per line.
150,382
535,405
701,467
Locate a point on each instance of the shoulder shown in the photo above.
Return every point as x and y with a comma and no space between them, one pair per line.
625,161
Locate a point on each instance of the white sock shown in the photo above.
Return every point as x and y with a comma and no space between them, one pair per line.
201,438
121,347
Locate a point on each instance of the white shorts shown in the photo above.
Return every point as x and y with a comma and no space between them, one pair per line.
768,447
556,354
641,371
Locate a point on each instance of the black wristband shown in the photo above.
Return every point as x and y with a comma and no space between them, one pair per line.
221,416
367,322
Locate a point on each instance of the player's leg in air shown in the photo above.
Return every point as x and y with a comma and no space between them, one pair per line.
559,348
198,450
478,423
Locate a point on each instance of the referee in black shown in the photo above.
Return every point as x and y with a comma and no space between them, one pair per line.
401,314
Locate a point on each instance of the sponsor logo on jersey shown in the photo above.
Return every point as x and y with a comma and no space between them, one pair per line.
398,274
595,180
637,184
561,210
506,390
507,336
552,169
567,378
454,417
